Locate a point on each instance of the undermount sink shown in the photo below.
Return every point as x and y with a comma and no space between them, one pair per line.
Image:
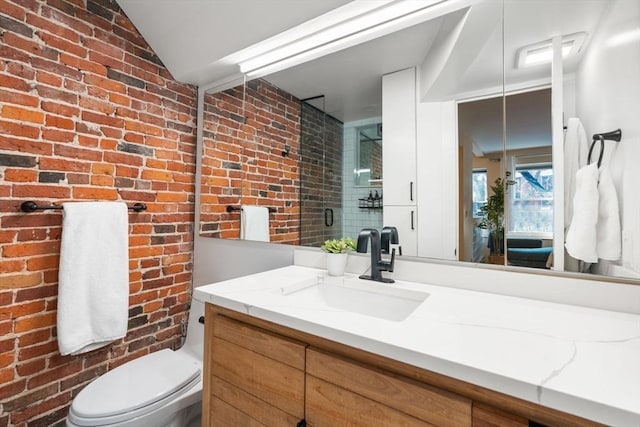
370,298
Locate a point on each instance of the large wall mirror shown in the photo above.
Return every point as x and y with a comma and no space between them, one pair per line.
498,99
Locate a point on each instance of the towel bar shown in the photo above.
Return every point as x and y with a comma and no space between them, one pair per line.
31,206
231,208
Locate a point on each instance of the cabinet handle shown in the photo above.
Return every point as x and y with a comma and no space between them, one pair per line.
411,191
301,423
412,224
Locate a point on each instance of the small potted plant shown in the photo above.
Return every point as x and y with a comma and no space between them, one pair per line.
337,250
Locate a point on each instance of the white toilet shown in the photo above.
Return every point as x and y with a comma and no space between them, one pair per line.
161,389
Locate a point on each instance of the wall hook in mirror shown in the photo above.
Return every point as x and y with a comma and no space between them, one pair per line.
286,151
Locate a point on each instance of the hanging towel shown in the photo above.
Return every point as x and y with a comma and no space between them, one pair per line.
254,223
609,233
93,289
576,151
581,236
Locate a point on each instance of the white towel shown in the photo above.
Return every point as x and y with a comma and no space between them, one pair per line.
93,289
609,233
254,223
581,239
576,151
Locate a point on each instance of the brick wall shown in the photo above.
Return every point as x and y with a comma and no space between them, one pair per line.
87,112
222,171
246,130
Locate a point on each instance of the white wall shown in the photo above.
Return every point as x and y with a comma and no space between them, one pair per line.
215,260
355,219
607,98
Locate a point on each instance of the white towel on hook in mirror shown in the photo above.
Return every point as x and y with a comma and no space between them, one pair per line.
581,238
93,288
608,231
254,223
576,151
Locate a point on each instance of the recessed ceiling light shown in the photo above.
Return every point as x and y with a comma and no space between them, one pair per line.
542,52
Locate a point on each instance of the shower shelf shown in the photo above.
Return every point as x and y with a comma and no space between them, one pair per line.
370,203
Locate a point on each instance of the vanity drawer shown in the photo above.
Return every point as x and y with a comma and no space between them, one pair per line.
269,344
484,416
341,391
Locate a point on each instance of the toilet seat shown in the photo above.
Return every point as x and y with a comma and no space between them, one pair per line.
134,389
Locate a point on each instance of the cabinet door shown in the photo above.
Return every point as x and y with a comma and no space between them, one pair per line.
256,377
399,137
342,392
437,154
405,219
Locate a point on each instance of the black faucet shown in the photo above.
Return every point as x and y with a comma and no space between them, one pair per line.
389,236
377,265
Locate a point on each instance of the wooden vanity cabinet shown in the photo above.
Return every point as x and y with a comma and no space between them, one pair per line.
257,373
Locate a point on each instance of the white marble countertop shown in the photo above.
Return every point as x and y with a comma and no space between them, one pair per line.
578,360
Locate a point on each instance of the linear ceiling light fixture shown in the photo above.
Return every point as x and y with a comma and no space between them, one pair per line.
346,26
542,53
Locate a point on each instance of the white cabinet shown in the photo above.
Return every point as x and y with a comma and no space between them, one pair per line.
399,137
437,154
405,219
420,160
399,156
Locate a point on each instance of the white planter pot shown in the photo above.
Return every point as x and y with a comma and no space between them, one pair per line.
336,264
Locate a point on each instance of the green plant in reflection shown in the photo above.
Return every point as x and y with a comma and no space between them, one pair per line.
492,214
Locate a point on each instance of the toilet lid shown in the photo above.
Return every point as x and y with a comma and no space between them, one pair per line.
136,384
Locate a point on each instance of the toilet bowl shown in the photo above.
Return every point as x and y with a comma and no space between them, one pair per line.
161,389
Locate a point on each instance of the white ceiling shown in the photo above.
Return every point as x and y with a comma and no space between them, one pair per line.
192,36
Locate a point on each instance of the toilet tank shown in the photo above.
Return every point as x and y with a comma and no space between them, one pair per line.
194,343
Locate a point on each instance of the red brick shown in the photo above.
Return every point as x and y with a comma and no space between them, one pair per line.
20,280
13,10
95,193
43,263
36,337
60,109
11,266
32,323
59,122
47,163
52,27
12,389
56,135
31,367
17,129
44,191
49,79
83,64
20,175
62,44
74,152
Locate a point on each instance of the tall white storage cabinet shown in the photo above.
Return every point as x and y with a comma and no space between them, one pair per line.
399,157
437,154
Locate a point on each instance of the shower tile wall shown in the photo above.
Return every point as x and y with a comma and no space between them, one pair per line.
355,218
